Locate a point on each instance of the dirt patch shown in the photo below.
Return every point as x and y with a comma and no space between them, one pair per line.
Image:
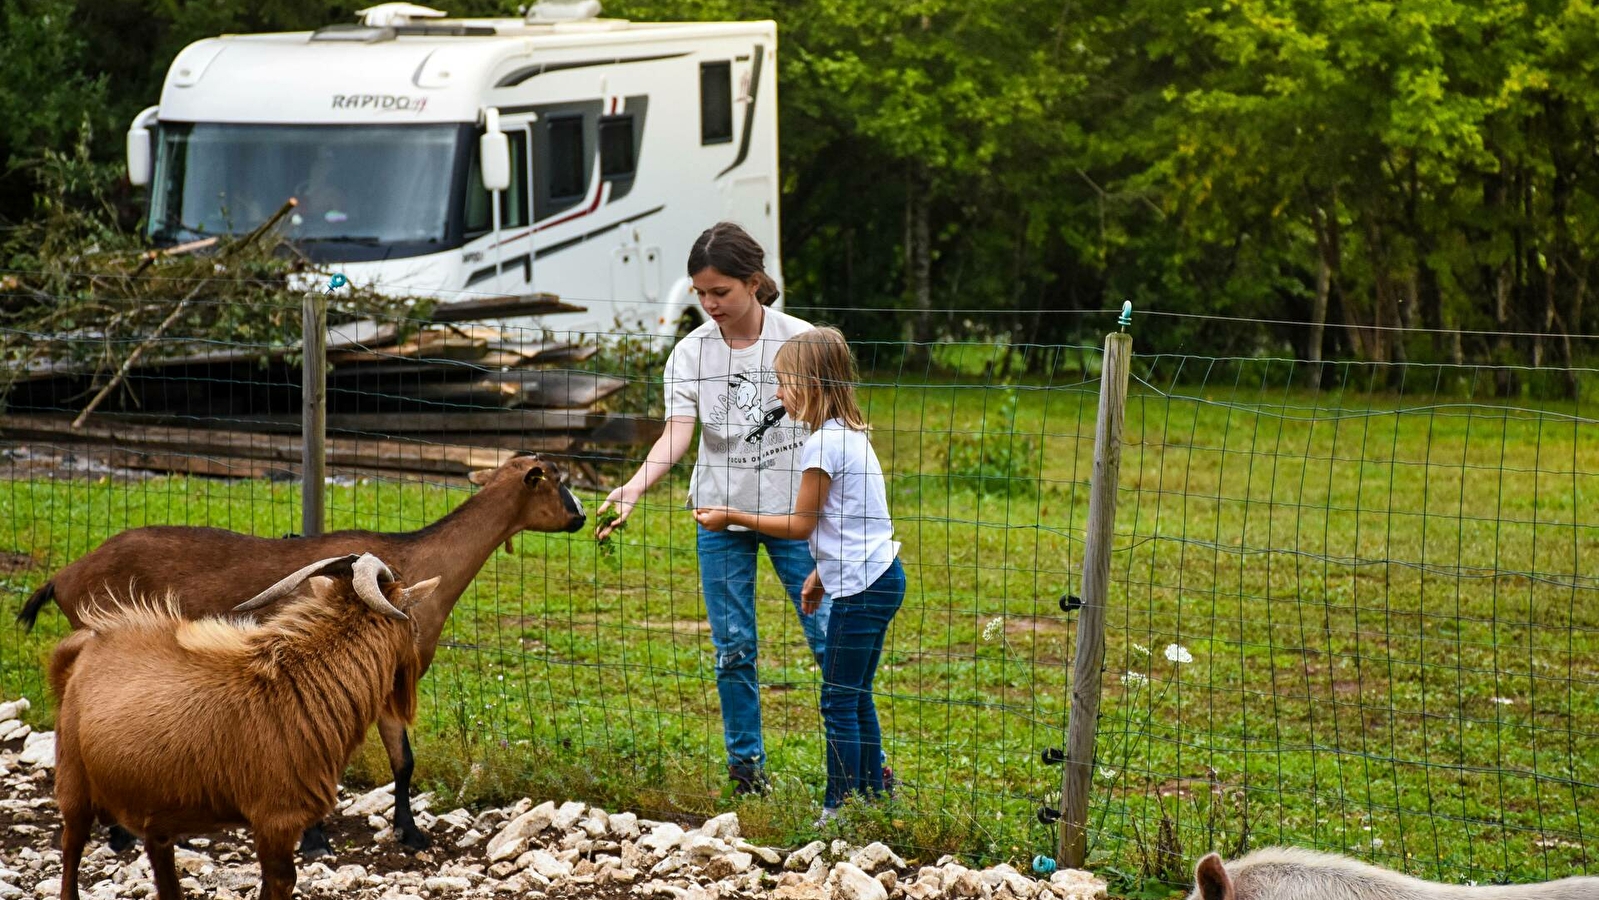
13,563
1019,626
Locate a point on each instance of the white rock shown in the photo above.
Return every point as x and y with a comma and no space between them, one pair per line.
966,883
669,864
801,859
700,848
499,850
567,815
840,849
849,882
373,802
724,826
472,838
766,855
8,891
663,838
346,877
376,822
39,751
48,887
818,871
457,820
544,863
661,889
1075,884
520,831
875,857
12,729
727,865
623,826
14,708
800,890
447,884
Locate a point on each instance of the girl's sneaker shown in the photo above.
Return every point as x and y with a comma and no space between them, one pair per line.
828,815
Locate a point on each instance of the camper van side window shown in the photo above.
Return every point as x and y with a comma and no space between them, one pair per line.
716,102
513,208
616,147
566,157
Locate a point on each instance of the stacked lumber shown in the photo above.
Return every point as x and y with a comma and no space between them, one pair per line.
438,398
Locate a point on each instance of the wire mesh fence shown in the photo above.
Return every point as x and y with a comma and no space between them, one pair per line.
1351,604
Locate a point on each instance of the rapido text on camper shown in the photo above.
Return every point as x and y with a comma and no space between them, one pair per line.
380,102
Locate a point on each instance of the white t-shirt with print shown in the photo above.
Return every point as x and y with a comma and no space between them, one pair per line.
749,448
853,542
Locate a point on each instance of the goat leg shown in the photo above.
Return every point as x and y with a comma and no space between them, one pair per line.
120,838
75,824
314,843
163,867
398,745
274,849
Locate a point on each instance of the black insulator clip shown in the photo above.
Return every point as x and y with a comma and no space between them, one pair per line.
1048,815
1070,603
1053,756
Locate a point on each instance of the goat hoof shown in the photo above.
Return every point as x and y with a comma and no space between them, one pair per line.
121,839
415,839
314,845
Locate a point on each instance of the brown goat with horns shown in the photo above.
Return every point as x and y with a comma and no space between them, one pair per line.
210,570
172,726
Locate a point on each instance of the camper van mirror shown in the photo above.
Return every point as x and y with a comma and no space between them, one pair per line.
495,149
139,148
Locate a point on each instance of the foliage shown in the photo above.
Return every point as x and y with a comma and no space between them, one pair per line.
1407,174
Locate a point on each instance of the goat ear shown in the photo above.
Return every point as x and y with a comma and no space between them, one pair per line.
417,593
1211,879
533,476
480,477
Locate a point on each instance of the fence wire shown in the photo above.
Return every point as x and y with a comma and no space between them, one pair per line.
1352,604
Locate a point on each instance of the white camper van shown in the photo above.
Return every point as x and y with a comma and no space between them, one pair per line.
558,153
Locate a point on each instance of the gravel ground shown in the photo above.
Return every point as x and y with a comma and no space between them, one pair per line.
567,850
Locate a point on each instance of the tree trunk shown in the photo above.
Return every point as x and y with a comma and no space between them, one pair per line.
1318,313
918,263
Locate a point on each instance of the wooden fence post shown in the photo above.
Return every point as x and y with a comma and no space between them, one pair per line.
313,412
1087,665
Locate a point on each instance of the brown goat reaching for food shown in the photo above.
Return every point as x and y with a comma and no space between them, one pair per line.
1287,873
211,570
173,726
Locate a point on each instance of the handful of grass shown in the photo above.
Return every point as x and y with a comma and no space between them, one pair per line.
608,549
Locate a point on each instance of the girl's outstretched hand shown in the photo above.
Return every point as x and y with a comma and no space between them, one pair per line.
622,500
712,518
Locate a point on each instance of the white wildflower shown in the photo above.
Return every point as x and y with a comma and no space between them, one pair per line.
1504,701
1135,680
1141,648
1179,654
994,627
1107,774
1376,843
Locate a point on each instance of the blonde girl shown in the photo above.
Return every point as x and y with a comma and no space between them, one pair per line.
841,509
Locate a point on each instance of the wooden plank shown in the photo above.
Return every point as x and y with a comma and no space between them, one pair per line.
506,307
209,466
370,453
381,424
627,431
1089,661
533,388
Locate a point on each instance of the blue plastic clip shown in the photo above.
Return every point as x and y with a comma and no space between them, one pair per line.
337,281
1043,865
1124,320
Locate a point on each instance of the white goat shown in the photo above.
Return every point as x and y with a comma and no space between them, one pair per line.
1288,873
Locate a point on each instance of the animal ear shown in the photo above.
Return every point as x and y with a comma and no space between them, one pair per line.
533,476
418,592
1211,880
480,477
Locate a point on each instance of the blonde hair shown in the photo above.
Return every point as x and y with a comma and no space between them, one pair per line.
817,372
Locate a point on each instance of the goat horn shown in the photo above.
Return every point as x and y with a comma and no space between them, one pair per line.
370,572
288,585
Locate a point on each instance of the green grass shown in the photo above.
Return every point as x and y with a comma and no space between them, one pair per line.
1360,580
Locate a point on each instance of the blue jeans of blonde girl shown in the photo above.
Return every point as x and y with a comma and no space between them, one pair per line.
727,579
856,628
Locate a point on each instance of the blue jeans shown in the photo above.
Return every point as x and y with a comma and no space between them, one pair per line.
727,579
855,632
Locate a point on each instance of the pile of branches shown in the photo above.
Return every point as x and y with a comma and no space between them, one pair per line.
78,287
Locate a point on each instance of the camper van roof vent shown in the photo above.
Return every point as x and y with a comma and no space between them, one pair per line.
356,34
396,14
547,11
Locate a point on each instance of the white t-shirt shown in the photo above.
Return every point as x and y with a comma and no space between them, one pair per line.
749,448
853,543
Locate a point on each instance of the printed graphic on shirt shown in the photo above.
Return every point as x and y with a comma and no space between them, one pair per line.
745,422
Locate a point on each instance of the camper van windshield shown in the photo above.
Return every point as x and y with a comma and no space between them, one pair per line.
364,192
